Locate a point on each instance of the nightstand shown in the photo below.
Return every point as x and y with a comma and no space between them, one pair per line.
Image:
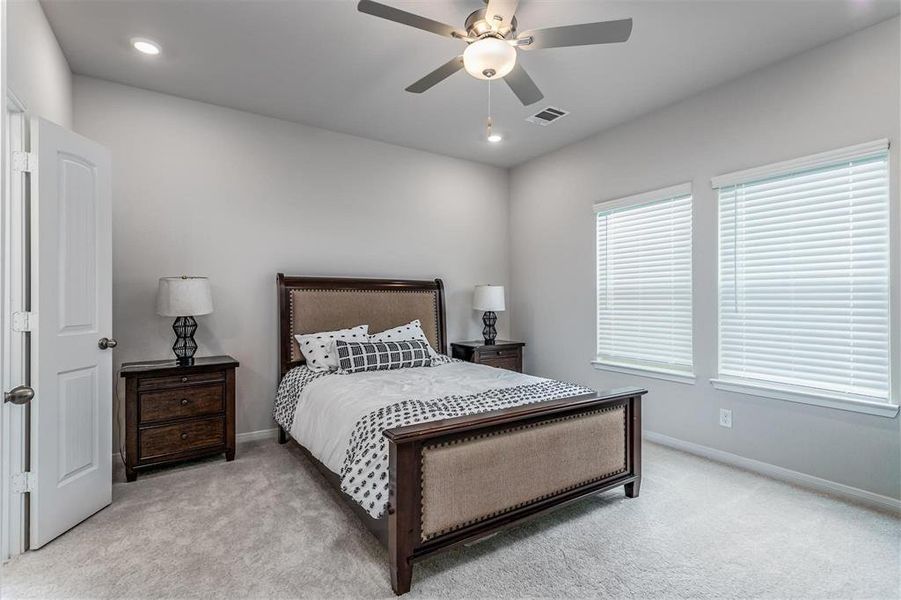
502,354
175,413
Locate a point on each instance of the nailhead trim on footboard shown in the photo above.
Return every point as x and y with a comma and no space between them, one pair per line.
624,468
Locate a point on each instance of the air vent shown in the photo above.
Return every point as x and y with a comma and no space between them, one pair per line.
547,116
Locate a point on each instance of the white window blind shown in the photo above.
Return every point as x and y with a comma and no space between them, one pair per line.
644,281
804,276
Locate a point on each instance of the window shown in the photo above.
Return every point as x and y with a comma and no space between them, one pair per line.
644,283
804,276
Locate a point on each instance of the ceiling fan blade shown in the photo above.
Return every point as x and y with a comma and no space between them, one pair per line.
500,12
405,18
523,86
605,32
437,76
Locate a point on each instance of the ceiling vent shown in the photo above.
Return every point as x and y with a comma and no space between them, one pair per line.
547,116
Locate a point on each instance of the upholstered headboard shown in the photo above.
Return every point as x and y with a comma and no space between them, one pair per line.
311,304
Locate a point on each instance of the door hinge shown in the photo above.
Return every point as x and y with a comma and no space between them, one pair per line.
24,321
23,482
23,162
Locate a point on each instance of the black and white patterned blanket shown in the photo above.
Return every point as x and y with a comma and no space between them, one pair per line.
364,476
289,393
300,377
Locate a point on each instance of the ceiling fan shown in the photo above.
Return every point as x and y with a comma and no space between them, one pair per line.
492,41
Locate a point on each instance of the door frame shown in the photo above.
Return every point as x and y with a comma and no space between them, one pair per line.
14,354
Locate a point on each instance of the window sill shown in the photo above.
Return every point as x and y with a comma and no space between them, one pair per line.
791,394
653,372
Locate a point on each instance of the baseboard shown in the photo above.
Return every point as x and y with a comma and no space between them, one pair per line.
802,479
259,434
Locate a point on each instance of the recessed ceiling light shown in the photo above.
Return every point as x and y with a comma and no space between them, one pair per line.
145,46
490,134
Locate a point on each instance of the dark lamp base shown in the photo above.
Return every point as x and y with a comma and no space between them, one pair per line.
489,333
184,346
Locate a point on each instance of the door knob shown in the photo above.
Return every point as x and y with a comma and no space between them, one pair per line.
21,394
105,343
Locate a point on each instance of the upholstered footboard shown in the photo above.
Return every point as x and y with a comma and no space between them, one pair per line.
459,479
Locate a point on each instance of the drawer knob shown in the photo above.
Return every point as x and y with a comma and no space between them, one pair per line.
184,436
184,401
184,379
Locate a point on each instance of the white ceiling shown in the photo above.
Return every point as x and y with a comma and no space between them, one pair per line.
322,63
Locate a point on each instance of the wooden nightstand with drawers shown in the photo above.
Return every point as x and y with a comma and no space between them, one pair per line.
175,413
502,354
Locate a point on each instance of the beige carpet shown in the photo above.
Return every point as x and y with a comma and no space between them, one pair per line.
267,526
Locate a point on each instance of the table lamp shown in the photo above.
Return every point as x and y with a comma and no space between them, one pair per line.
490,299
184,298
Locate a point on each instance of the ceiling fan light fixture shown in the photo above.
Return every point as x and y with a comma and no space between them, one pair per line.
489,58
491,35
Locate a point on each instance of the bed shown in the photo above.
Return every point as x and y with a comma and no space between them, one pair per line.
436,456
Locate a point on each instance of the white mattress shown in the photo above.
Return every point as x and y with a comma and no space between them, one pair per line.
329,407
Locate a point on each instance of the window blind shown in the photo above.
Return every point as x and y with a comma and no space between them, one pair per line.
804,278
644,281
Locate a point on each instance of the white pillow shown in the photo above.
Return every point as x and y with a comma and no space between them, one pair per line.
319,348
402,333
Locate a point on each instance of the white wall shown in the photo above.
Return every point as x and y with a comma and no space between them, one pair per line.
205,190
37,71
840,94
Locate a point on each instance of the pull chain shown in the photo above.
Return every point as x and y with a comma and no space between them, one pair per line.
488,129
490,136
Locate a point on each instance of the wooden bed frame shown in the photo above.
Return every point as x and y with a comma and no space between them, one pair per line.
593,440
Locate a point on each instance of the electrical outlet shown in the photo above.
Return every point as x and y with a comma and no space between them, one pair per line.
725,418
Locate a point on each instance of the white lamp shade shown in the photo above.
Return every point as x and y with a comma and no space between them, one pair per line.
489,58
488,298
184,297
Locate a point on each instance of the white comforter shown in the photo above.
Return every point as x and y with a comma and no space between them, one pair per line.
330,407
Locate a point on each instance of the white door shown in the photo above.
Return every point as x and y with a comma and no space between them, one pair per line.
71,287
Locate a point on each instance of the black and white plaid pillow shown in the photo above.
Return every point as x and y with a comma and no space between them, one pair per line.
354,357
